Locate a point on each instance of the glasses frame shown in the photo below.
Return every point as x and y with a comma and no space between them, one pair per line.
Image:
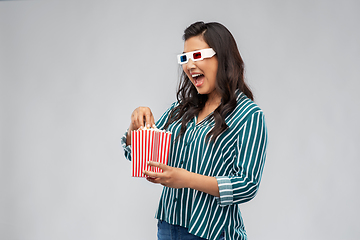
205,53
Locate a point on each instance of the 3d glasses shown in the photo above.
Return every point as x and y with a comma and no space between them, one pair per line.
196,55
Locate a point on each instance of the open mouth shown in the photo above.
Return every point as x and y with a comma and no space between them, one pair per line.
198,79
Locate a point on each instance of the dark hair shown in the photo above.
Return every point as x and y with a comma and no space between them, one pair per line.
230,76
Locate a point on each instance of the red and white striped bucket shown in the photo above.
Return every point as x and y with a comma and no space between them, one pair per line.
149,145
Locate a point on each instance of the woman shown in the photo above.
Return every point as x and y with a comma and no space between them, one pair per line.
219,140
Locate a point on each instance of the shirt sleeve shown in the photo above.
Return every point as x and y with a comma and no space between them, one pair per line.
127,149
159,124
247,168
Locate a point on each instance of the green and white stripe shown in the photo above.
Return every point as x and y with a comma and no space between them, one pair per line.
236,159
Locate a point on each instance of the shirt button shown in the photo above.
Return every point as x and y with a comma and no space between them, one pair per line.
181,162
175,199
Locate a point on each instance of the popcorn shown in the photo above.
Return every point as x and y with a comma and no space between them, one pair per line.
149,144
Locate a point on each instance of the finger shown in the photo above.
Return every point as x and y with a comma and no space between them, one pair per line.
151,174
151,179
135,120
152,121
157,164
149,118
141,120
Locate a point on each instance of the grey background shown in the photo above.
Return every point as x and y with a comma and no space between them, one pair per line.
73,71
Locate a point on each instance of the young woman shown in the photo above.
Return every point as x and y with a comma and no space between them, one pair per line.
218,145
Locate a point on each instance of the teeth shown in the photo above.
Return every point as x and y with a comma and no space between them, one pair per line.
195,75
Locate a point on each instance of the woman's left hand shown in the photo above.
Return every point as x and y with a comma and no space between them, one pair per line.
170,177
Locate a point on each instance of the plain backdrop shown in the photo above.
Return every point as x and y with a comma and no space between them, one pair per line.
72,72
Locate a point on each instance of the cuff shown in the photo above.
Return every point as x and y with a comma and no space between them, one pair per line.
127,149
225,191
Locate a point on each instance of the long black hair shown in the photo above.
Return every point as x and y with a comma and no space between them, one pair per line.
230,77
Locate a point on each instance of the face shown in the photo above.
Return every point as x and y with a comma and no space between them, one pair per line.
201,73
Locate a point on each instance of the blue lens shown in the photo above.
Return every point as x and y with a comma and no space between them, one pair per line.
183,58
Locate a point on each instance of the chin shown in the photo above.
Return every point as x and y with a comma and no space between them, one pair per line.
203,93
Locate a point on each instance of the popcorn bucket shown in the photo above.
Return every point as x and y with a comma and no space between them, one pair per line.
149,145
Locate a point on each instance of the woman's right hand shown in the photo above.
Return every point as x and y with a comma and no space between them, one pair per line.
141,117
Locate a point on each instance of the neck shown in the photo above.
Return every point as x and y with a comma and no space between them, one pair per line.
213,99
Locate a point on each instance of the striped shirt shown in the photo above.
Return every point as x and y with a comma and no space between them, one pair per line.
236,159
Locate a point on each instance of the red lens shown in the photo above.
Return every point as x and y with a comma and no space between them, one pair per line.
197,55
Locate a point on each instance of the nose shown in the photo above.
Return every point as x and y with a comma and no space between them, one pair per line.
190,64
